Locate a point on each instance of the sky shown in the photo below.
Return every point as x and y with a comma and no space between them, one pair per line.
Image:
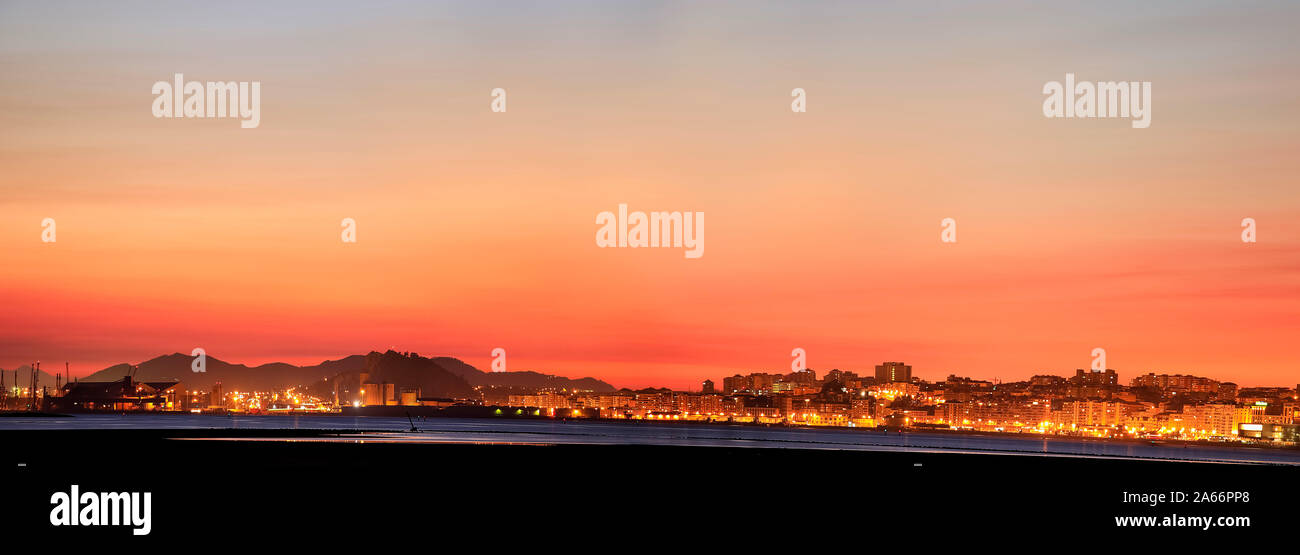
475,229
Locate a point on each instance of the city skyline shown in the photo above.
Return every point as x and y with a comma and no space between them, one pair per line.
865,369
1091,403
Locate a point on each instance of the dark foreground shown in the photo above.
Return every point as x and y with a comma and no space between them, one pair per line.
528,496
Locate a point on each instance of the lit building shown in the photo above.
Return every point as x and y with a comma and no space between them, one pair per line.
734,383
763,383
995,413
891,391
1178,383
1215,419
552,400
1271,432
888,372
217,399
1093,413
372,394
125,394
1103,378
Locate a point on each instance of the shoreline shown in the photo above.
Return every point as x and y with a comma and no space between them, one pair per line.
878,430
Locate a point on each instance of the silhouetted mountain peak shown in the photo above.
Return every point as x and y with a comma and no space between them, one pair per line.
436,376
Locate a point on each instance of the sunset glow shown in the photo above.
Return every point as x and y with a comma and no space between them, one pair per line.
475,229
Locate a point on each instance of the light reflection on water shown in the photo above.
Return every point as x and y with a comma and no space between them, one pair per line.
623,433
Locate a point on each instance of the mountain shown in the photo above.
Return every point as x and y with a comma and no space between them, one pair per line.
25,377
409,370
233,377
525,380
437,377
534,380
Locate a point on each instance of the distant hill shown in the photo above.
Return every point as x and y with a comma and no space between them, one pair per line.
534,380
25,377
407,369
275,375
439,376
526,380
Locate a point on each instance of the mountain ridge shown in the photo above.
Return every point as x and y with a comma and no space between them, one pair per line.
410,367
25,376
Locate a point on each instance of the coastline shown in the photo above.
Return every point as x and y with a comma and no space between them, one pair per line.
614,433
428,413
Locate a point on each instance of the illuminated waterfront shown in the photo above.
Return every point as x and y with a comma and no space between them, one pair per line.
468,430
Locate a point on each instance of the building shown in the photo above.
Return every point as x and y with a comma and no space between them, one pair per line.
1227,391
762,383
705,404
1271,432
217,398
1102,378
1178,383
1093,413
1004,413
1215,419
372,394
889,372
125,394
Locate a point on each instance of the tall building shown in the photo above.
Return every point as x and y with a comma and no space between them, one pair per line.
1107,377
889,372
1228,391
761,382
372,394
1215,419
708,386
735,383
217,398
1093,413
1176,383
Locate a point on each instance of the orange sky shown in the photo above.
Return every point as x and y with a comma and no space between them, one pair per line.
476,229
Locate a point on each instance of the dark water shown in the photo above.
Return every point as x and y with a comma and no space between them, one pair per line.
456,430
